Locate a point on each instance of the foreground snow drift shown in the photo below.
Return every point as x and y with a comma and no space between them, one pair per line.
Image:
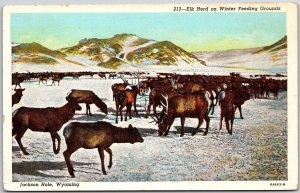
257,150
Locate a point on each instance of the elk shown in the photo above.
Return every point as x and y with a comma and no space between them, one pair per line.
43,79
112,75
102,75
155,98
239,99
143,87
118,86
226,102
56,78
16,97
99,135
48,119
125,98
88,97
272,88
183,106
17,81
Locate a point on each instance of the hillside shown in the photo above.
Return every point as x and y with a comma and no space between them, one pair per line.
126,49
35,53
272,58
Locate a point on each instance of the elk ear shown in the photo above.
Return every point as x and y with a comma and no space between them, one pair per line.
130,126
23,89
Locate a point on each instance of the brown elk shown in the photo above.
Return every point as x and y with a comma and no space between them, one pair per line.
48,119
17,81
56,78
99,135
112,75
43,79
183,106
102,75
16,97
272,88
226,101
156,98
118,86
125,98
143,87
239,99
88,97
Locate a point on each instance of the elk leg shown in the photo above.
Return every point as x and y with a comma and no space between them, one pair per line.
182,119
210,107
53,137
240,109
221,120
86,111
101,153
117,113
200,121
231,121
120,111
169,124
227,125
88,106
135,110
129,110
67,154
18,139
108,150
207,120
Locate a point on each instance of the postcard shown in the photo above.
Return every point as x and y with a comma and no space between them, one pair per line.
150,97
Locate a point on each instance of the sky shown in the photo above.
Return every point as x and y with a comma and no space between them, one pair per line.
191,31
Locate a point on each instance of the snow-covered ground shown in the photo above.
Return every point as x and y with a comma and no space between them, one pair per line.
257,150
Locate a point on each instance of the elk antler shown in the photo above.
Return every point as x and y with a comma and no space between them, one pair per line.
165,105
154,119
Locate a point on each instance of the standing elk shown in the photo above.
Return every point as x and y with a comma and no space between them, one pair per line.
16,97
17,81
56,78
43,79
183,106
272,88
99,135
102,75
226,101
48,119
88,97
240,97
125,98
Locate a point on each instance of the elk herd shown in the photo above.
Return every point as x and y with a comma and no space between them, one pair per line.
178,96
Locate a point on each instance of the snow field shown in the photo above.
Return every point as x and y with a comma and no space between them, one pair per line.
257,150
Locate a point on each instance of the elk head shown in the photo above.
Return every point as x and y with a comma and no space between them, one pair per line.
134,135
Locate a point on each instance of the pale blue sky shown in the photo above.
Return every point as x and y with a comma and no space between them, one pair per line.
191,31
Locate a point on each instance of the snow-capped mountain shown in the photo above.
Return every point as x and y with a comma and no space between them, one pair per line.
272,58
128,49
129,52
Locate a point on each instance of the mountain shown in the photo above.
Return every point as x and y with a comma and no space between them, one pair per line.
35,57
35,53
128,49
271,58
277,46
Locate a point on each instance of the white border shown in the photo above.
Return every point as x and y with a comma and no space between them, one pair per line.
292,183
